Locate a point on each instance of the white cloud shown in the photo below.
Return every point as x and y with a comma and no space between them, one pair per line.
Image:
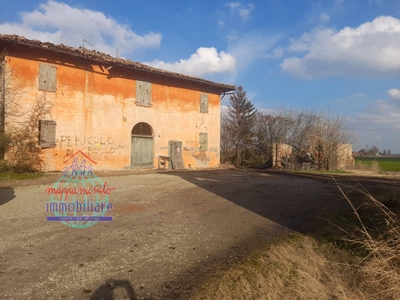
276,53
378,125
244,11
251,47
372,49
204,61
338,4
234,5
394,93
58,22
324,17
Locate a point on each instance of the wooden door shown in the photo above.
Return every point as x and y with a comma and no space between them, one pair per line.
142,152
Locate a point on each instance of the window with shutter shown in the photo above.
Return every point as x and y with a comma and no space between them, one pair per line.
203,103
47,78
203,141
47,134
143,93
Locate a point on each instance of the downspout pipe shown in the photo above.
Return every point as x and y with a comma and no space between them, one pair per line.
2,100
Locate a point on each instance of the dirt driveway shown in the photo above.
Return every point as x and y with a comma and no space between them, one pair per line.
169,231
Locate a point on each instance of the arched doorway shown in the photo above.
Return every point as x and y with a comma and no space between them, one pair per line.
142,146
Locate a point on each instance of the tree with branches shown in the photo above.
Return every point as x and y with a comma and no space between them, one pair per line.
240,120
316,136
19,124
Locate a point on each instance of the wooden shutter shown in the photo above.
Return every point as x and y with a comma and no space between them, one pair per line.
203,103
203,141
47,78
143,93
47,134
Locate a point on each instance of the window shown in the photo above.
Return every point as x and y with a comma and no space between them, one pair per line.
203,141
203,103
47,78
143,93
142,129
47,134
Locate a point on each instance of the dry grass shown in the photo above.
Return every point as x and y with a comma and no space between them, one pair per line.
368,267
377,234
372,166
297,268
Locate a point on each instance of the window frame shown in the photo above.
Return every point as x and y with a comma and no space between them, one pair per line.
204,103
203,136
144,93
47,133
47,78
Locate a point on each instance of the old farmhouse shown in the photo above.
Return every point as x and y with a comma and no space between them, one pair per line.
121,113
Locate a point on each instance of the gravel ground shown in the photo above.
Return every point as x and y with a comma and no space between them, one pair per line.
170,230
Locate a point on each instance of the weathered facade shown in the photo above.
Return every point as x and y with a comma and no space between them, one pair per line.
341,158
121,113
280,154
345,156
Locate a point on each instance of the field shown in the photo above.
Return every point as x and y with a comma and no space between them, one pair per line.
385,163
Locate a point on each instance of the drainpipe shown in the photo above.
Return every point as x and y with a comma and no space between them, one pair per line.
2,101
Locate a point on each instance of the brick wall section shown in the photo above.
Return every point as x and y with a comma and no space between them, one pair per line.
345,156
279,153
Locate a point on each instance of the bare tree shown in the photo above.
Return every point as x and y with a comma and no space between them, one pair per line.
19,123
11,92
264,136
321,137
295,127
24,153
329,139
373,151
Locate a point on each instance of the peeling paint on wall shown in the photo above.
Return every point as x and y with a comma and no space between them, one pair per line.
202,156
95,114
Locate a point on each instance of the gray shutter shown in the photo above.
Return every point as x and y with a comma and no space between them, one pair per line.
47,134
143,93
47,78
203,103
203,141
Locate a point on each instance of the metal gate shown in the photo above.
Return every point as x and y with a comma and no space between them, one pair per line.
142,146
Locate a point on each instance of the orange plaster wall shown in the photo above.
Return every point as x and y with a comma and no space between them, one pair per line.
95,113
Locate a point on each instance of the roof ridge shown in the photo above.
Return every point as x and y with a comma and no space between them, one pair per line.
103,57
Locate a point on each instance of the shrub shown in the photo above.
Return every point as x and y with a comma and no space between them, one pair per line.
5,140
24,152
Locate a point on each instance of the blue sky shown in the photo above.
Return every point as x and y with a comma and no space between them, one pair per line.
340,55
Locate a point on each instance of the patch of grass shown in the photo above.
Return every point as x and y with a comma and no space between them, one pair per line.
9,173
19,176
324,171
384,163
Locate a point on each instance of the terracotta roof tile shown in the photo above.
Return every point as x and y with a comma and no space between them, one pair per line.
103,57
